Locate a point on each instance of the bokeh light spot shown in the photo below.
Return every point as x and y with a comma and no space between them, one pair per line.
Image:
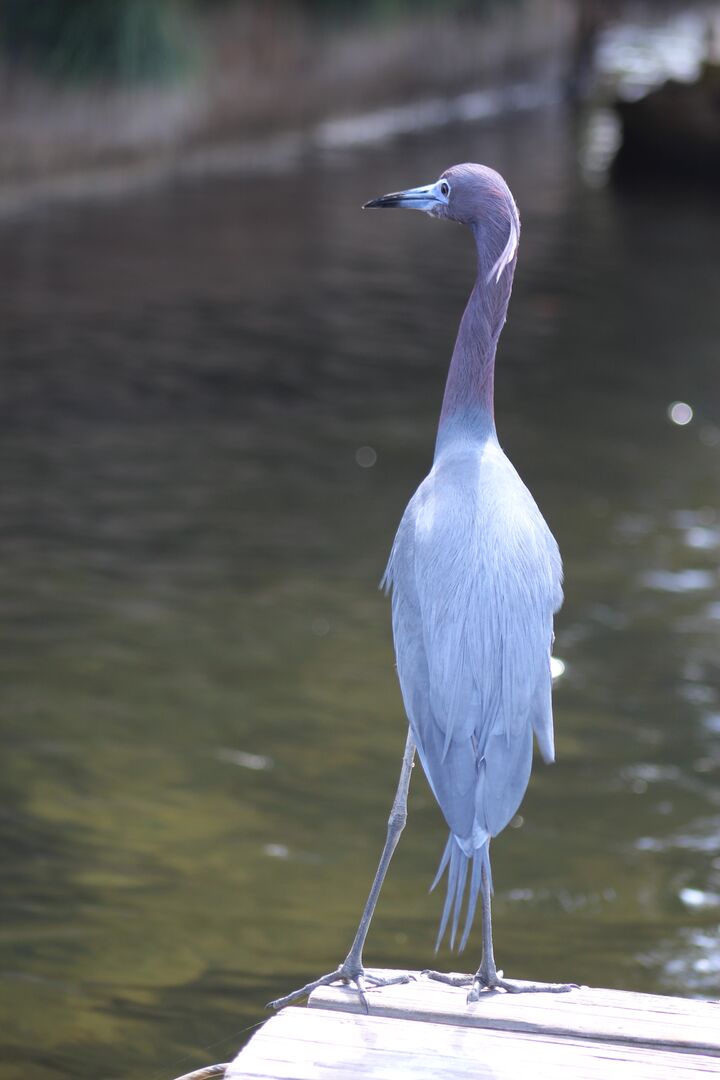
557,667
365,457
680,412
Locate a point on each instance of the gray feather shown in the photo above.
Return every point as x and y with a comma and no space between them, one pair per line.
475,574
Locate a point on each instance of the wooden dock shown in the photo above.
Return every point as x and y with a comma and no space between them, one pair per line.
425,1030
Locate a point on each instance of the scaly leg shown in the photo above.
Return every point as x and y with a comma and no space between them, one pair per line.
351,970
487,976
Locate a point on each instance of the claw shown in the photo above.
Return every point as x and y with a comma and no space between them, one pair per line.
360,987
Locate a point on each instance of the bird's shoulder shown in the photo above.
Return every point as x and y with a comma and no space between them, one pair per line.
472,479
472,519
474,495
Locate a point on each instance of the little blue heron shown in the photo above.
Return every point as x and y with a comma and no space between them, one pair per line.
476,576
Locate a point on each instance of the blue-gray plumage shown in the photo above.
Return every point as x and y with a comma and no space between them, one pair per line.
476,576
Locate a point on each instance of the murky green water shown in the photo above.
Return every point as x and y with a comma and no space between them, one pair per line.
201,728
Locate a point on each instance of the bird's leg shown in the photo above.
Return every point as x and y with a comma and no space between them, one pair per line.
351,970
487,976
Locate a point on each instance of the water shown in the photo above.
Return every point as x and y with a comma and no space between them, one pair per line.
216,400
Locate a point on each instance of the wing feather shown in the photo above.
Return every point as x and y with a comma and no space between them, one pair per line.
476,577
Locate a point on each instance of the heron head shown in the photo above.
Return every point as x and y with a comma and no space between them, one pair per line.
473,195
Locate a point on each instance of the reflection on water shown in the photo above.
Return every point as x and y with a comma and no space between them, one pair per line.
216,401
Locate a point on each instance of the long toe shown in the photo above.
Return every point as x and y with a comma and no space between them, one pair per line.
449,980
351,974
394,980
539,988
510,986
305,991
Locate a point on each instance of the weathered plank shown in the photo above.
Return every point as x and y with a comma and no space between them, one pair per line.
614,1016
425,1029
317,1044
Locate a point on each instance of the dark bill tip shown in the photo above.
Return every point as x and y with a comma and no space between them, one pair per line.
396,199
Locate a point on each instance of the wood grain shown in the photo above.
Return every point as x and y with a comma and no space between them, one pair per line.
316,1044
426,1030
611,1015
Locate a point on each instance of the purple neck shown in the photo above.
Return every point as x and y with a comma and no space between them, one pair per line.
467,408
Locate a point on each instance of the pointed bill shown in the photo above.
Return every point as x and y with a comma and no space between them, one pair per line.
428,197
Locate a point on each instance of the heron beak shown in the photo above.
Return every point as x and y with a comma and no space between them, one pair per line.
428,198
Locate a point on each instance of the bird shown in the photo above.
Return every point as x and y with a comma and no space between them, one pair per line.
475,577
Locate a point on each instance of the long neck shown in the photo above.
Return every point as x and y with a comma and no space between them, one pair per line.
467,408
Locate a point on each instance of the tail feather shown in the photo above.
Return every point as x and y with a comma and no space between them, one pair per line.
455,861
443,862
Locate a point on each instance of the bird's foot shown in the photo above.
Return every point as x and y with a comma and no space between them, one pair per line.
492,979
352,973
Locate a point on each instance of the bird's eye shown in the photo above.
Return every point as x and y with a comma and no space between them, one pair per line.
444,188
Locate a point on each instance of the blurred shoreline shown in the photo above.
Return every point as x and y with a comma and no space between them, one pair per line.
267,84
